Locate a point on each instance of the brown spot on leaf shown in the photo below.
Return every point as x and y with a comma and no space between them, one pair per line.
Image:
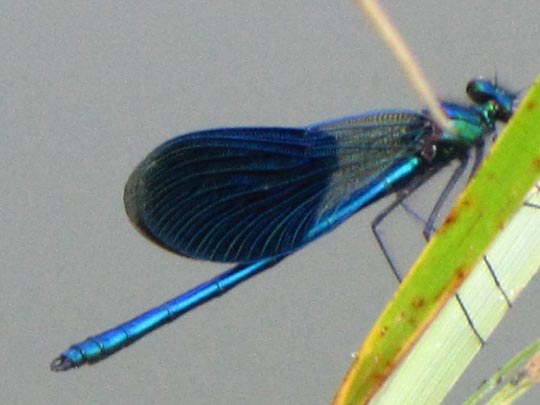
536,164
418,302
460,274
452,217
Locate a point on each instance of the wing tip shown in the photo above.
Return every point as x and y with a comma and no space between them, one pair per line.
131,197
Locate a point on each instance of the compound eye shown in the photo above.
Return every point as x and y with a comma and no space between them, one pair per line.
481,91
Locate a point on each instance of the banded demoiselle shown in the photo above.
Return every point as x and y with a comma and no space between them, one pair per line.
253,196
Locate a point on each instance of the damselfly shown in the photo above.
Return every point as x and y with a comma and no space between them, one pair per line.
253,196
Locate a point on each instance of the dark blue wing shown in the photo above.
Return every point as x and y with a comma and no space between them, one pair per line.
241,194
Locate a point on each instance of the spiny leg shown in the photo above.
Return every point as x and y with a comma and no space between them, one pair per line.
429,226
400,197
492,269
496,280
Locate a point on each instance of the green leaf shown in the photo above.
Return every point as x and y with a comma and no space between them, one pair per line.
481,213
513,380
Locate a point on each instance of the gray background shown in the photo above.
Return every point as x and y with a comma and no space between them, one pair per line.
88,90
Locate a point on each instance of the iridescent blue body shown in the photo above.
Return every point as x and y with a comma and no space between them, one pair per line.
253,196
